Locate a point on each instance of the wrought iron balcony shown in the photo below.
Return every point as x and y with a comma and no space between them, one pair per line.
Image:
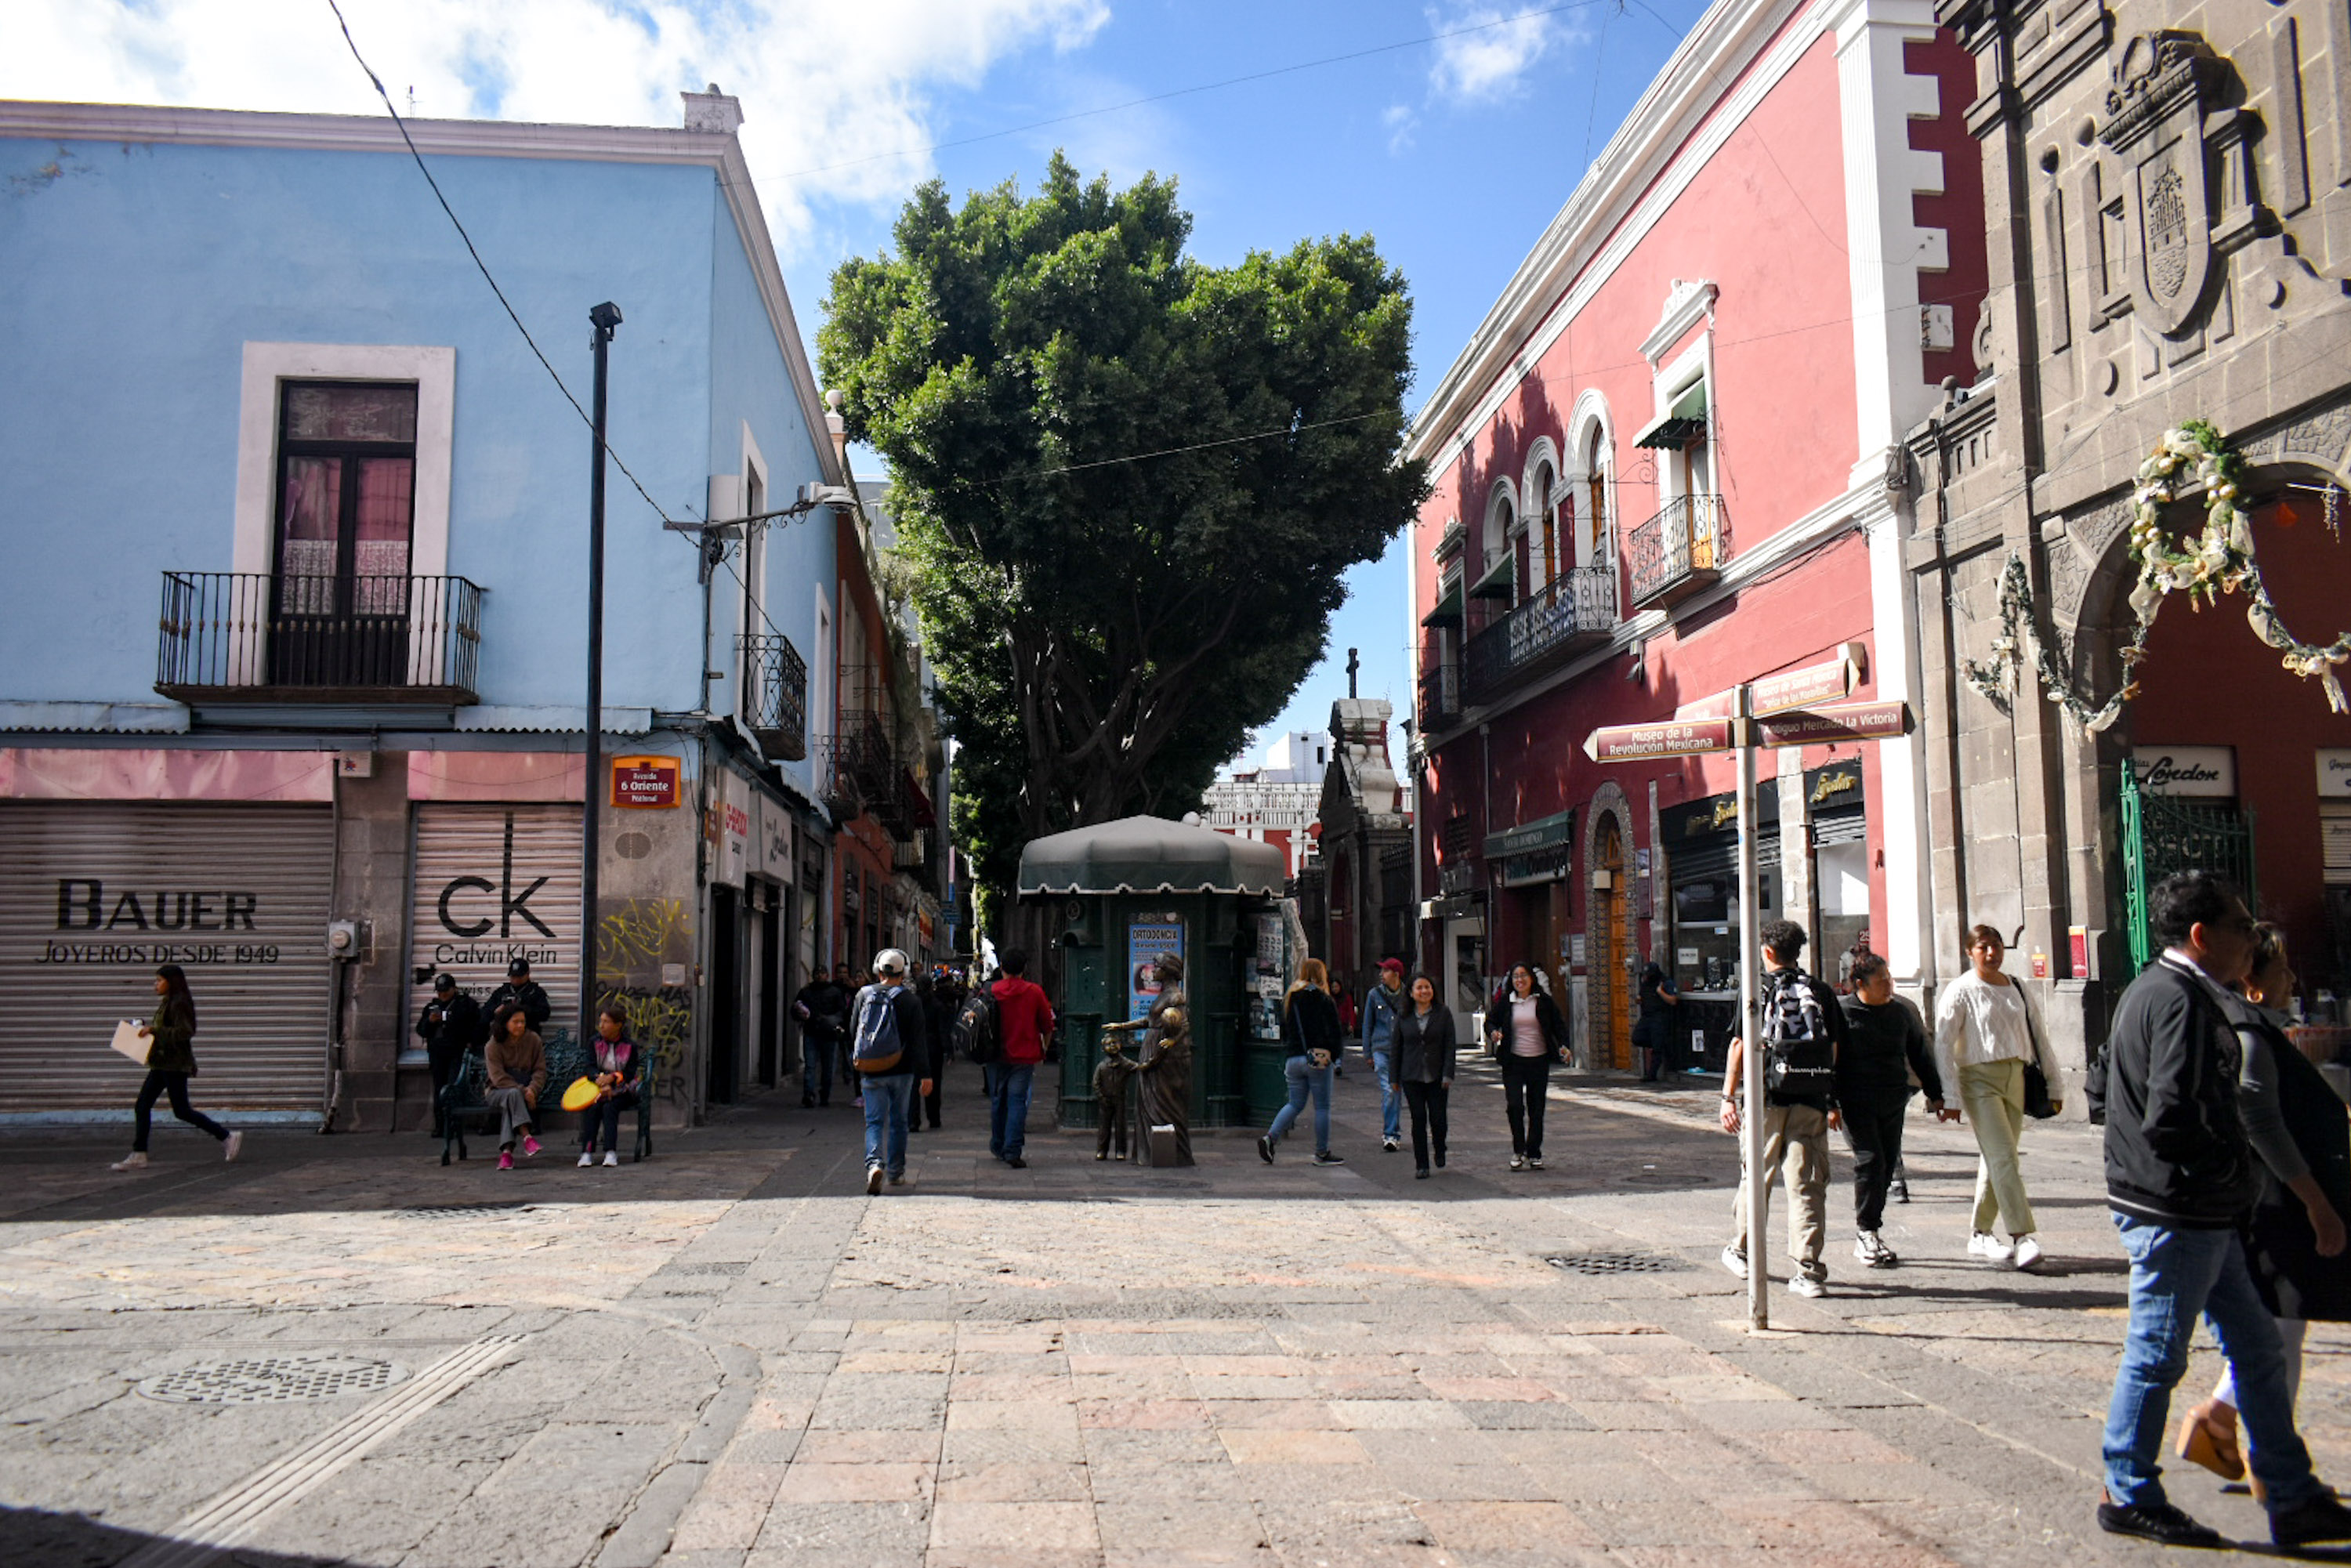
863,775
250,637
1440,697
775,694
1680,551
1572,612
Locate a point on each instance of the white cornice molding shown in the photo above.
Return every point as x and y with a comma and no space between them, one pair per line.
1687,303
23,119
1677,126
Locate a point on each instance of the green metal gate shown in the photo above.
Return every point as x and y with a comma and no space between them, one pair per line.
2163,835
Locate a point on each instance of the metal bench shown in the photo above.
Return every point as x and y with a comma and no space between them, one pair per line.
467,1097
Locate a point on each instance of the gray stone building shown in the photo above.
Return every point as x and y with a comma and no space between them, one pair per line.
2168,200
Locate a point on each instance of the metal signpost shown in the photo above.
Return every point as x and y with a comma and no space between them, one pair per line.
1786,709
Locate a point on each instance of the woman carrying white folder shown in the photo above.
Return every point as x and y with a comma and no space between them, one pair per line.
171,1062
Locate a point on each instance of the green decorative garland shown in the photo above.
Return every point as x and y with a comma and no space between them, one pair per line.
2218,561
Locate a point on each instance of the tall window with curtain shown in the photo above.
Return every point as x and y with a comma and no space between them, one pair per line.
345,494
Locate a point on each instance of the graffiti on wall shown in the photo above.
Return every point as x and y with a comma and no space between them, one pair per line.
645,965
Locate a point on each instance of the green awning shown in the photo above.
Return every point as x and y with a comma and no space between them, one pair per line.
1543,833
1151,854
1678,425
1496,583
1448,608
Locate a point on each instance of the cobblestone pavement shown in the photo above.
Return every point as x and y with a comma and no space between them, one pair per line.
731,1356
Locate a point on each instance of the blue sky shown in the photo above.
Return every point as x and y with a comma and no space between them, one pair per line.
1453,152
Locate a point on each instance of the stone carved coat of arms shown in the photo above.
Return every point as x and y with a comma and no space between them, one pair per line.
2155,129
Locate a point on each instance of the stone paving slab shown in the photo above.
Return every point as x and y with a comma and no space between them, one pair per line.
731,1357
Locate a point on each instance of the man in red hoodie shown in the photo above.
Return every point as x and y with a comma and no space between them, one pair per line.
1026,1018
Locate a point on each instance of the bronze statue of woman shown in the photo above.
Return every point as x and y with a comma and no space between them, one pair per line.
1163,1080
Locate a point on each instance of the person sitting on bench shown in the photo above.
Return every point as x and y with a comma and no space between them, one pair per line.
620,1067
517,1066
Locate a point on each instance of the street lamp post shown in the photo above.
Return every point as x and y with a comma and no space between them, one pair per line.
604,318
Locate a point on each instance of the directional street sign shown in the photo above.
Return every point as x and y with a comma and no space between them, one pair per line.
1804,688
1834,722
1649,742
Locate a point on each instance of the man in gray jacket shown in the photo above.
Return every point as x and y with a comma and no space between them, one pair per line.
2180,1178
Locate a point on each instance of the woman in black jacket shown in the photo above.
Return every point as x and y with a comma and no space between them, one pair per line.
2295,1123
171,1062
1423,1068
1660,1000
1309,1027
1526,1034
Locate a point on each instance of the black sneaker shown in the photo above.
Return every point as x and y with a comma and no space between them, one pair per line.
807,1103
2321,1519
1899,1192
2162,1523
1327,1158
1265,1150
1016,1162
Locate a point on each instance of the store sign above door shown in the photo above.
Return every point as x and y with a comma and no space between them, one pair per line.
2210,771
644,783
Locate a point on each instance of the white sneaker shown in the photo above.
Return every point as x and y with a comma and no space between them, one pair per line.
1806,1286
131,1162
611,1156
1984,1244
586,1158
230,1145
1870,1248
1735,1261
1389,1145
2028,1252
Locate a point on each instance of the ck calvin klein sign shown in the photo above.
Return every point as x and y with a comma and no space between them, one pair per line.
2206,770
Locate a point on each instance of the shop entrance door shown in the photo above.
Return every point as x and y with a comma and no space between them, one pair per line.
1465,956
1612,1023
2161,836
725,996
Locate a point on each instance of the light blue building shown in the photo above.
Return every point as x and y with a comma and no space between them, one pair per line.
295,527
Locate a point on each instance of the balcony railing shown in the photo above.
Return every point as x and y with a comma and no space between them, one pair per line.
1440,697
229,636
863,775
775,694
1680,551
1571,613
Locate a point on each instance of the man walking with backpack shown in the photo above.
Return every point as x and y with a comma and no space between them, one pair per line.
1024,1021
891,1043
1804,1034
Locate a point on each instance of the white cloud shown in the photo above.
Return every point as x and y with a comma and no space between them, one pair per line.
1401,122
1492,62
825,87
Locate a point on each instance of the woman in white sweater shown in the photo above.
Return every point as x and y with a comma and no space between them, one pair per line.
1984,1034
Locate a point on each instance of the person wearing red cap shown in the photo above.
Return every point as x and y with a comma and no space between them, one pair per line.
1380,1010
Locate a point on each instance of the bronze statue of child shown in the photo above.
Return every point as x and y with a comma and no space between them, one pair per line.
1110,1079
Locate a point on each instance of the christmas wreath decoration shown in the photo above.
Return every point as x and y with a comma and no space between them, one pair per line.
2219,559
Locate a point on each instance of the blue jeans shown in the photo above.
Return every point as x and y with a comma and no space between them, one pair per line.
1009,1087
1304,1077
2176,1275
1391,1097
887,1100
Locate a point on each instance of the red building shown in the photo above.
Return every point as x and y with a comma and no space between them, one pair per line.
1661,468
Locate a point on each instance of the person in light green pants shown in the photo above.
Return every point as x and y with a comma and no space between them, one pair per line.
1984,1034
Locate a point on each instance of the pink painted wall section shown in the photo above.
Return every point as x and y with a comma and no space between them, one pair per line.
502,776
60,774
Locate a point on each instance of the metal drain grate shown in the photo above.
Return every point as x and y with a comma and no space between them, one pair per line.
726,1269
1613,1262
272,1380
463,1211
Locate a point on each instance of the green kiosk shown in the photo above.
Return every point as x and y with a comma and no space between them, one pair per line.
1118,894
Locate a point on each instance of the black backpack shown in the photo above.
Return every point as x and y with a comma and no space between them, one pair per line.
979,1029
1799,1057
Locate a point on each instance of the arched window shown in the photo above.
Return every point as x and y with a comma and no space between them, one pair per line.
1592,526
1545,542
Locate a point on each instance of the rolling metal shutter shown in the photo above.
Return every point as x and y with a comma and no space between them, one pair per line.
2335,842
494,884
93,895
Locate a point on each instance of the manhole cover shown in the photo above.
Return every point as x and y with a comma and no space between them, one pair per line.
462,1210
272,1379
1614,1263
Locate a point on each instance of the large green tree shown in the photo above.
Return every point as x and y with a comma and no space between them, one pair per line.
1128,482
